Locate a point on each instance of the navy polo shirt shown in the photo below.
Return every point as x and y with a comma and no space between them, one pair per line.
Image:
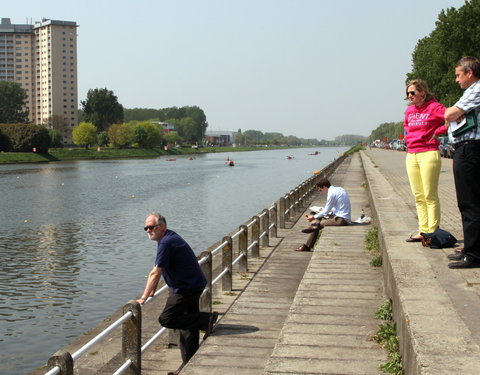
181,270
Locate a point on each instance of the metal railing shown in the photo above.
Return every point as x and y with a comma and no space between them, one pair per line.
249,238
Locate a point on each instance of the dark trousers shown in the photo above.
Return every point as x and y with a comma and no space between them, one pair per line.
181,312
466,171
334,221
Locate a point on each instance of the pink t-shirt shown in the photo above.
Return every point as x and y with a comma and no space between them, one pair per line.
421,124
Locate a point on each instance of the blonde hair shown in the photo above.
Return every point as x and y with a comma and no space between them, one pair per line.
421,86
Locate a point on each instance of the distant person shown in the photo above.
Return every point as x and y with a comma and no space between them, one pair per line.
180,269
466,160
337,212
424,122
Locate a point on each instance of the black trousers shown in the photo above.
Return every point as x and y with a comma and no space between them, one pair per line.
181,312
466,171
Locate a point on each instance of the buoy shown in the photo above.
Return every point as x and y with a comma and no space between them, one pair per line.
316,172
134,196
25,221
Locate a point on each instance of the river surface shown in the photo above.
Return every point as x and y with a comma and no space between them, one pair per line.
72,243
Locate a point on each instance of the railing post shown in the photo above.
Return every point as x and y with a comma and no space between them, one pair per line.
256,237
264,226
206,298
242,248
63,360
287,207
132,338
281,212
227,264
291,204
303,196
296,194
273,220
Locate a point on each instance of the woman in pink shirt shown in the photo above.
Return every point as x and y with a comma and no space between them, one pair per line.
424,122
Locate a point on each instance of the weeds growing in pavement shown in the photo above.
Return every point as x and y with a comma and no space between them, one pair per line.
384,312
373,246
386,336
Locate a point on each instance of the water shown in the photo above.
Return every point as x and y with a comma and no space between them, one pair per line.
72,243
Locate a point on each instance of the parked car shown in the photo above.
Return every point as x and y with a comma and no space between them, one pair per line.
446,149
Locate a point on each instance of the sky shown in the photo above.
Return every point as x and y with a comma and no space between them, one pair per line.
308,68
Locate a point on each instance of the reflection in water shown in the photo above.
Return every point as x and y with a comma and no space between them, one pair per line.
72,243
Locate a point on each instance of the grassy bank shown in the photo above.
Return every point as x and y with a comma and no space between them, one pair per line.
59,154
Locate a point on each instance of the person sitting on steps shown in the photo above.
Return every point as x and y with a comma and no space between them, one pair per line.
338,202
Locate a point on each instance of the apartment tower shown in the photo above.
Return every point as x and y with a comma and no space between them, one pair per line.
42,58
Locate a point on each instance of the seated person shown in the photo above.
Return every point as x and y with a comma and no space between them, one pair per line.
337,211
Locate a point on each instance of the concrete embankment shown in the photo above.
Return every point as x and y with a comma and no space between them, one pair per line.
436,309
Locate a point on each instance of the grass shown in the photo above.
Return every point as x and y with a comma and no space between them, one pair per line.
386,336
78,153
373,246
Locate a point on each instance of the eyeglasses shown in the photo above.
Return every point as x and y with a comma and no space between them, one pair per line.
150,227
411,93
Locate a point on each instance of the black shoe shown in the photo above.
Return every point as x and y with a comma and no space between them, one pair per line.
467,262
413,239
311,228
211,323
456,256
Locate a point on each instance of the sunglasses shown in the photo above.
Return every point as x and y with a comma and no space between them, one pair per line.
150,227
411,93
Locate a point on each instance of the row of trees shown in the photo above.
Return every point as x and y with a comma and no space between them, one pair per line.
138,134
456,34
389,130
102,109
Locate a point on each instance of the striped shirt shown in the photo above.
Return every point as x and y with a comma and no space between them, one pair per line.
469,101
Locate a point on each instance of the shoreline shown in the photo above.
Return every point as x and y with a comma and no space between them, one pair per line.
70,154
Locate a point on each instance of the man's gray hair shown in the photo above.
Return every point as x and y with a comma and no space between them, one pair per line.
469,62
159,218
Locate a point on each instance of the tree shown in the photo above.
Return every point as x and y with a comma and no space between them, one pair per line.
24,137
12,103
255,136
102,108
390,130
56,139
149,133
457,34
57,122
102,139
85,134
121,135
172,138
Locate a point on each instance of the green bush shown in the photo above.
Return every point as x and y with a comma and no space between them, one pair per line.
25,137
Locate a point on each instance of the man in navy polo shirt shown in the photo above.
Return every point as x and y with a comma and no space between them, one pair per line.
177,263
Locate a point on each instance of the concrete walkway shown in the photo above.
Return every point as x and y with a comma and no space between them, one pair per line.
329,320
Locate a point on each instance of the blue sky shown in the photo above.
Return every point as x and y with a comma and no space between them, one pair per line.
309,68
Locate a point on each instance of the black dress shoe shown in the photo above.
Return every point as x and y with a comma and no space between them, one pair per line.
211,323
311,228
456,256
467,262
413,239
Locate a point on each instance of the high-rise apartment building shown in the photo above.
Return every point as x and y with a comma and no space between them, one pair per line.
42,58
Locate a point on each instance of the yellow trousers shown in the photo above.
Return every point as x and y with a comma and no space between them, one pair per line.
423,171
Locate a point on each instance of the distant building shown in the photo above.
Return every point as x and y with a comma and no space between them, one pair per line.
42,58
219,138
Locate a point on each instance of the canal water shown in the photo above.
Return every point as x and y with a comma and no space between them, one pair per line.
72,243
